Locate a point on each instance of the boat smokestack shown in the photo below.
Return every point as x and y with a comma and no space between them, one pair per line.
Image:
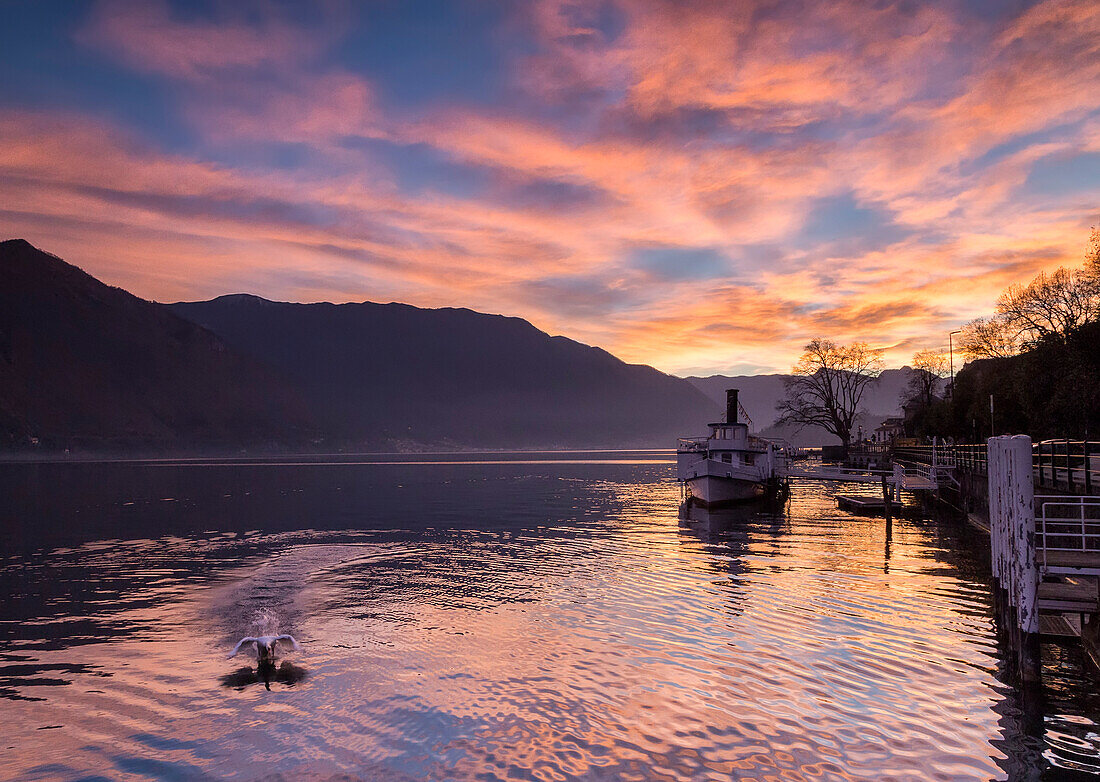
731,405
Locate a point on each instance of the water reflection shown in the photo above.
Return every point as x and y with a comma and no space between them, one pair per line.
266,671
490,621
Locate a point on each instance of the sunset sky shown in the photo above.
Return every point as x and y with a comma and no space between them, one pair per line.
701,187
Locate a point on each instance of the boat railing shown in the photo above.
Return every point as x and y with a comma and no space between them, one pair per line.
692,444
702,444
763,442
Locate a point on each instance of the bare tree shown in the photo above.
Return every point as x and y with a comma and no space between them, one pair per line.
1092,255
1051,305
929,367
989,338
827,385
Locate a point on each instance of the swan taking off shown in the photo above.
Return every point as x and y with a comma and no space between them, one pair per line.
265,645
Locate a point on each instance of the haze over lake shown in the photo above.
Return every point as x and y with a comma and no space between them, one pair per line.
498,616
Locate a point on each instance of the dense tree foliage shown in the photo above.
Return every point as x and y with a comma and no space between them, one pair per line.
989,338
1038,358
929,367
1051,306
1051,391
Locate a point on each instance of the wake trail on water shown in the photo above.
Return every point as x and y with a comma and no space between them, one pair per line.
265,621
277,596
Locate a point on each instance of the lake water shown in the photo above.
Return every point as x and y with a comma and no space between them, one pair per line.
533,616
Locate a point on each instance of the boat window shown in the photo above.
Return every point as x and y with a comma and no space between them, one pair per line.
727,457
750,458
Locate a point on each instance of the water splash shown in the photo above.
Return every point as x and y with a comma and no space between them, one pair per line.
265,621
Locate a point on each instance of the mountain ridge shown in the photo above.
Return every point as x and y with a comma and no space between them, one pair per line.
240,370
85,363
507,382
92,367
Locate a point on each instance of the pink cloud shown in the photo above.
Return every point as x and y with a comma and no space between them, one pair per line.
147,36
776,66
898,138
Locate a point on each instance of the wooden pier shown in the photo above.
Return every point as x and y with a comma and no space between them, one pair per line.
866,506
1058,626
1045,546
1045,557
1072,595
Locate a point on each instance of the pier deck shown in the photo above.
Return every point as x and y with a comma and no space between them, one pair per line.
1084,563
856,504
1074,596
1058,626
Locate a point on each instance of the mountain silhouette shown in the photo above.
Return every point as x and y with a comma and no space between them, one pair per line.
386,375
86,365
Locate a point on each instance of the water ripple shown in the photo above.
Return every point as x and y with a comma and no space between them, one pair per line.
533,620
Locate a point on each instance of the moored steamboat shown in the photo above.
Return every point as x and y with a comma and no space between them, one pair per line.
731,465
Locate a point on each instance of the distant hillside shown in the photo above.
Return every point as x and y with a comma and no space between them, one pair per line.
89,366
395,374
86,365
883,398
814,436
760,393
757,393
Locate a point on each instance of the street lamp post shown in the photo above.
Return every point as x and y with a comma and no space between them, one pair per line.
951,354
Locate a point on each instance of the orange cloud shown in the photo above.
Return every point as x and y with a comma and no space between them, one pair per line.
709,130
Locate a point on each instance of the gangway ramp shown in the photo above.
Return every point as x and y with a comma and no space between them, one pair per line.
842,474
898,478
913,482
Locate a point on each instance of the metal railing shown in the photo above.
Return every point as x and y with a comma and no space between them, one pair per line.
1066,524
875,449
1067,465
969,457
692,444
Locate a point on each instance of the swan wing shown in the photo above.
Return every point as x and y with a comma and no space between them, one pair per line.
241,643
289,639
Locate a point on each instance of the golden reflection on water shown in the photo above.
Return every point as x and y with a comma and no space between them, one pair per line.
601,637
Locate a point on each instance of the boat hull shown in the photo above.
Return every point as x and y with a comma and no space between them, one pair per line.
714,491
717,475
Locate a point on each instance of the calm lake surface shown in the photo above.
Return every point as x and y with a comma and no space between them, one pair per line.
524,616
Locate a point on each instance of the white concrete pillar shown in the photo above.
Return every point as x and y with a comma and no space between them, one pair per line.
1012,534
993,468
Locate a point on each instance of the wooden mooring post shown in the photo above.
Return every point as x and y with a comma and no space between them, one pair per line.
886,509
1012,536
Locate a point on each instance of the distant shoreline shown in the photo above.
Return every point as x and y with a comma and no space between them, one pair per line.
320,459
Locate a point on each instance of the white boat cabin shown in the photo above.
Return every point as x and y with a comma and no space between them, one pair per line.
730,464
731,443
